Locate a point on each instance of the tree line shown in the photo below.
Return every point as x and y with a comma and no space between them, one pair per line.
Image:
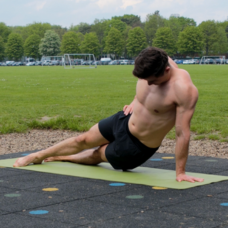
124,36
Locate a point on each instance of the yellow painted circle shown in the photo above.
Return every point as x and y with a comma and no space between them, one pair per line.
159,188
167,157
50,189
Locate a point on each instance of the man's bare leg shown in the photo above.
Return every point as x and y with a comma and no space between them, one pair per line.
87,157
74,145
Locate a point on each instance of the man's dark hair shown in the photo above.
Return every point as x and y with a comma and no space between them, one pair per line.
151,61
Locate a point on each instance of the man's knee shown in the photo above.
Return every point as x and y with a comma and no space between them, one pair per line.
83,141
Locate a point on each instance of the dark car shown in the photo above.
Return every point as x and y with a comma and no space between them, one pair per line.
85,63
55,62
96,63
220,61
209,61
19,64
38,63
105,62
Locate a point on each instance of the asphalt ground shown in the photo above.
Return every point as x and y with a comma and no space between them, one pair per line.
34,199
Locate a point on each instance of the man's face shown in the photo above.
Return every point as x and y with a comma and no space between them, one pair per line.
152,80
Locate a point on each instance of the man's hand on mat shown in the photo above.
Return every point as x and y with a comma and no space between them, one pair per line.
184,177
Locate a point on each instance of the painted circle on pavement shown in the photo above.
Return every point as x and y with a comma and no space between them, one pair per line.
25,154
167,157
159,188
211,160
224,204
156,159
38,212
117,184
12,195
50,189
135,197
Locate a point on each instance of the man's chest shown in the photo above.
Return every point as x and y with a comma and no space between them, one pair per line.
155,98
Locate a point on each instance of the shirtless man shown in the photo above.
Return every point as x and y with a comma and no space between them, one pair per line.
165,96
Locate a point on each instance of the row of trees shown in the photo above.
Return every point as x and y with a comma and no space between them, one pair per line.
121,36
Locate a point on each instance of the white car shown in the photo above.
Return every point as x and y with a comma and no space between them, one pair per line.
124,62
30,64
189,61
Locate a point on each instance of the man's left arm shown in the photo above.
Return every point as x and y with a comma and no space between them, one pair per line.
184,112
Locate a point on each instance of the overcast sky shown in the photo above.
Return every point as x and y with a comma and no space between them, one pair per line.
68,12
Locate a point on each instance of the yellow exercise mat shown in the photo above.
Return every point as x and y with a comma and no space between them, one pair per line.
104,171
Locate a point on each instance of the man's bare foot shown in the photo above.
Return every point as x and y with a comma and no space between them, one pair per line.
50,159
32,158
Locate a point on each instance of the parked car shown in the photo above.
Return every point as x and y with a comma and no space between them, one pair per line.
132,62
55,62
209,61
178,61
189,61
197,61
90,62
96,63
85,63
3,64
220,61
20,64
114,62
30,64
47,63
38,63
105,62
9,63
125,62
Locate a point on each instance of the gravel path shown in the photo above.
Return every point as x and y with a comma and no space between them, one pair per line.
40,139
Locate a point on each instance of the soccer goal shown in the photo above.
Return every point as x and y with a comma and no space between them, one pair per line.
79,61
213,59
52,60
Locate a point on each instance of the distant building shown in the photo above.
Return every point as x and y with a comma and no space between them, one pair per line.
175,15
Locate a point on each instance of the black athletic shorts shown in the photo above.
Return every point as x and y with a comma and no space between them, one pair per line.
124,150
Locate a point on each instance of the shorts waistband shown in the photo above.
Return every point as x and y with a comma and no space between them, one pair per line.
136,141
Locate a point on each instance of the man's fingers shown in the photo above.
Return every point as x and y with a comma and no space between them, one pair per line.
199,179
190,179
125,107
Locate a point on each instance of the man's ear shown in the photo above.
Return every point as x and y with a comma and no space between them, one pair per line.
167,69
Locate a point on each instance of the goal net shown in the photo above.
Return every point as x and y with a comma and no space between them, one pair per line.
52,60
79,61
213,60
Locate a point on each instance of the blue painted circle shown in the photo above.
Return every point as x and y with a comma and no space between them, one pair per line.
224,204
117,184
25,154
38,212
156,159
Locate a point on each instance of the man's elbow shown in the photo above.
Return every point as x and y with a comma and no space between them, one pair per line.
183,135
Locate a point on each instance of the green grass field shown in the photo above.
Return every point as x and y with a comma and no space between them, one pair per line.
79,98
